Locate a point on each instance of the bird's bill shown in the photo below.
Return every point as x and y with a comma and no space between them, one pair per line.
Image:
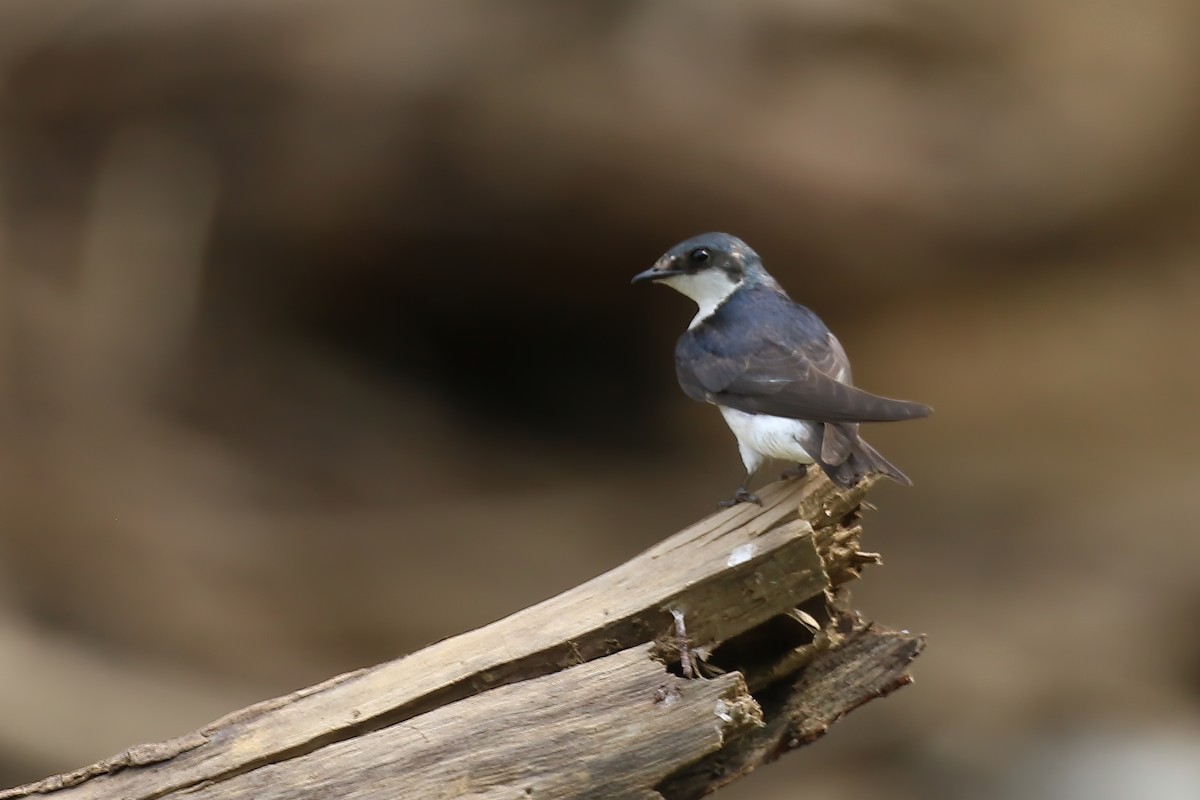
663,269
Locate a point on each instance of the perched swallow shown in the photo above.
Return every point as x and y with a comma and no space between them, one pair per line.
779,376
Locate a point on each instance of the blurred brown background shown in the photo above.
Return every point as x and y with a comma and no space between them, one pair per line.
317,345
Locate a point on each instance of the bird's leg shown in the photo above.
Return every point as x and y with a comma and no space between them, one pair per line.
798,471
742,495
753,460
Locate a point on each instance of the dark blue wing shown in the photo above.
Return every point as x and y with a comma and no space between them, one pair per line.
762,353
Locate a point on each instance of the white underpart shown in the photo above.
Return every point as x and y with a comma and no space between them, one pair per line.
759,436
709,288
762,436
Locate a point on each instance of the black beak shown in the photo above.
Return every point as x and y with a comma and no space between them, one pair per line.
665,268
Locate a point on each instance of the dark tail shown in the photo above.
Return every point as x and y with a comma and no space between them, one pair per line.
862,461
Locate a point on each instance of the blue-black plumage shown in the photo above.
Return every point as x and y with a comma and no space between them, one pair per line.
779,376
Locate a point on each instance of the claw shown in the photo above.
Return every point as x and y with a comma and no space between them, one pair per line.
740,496
798,471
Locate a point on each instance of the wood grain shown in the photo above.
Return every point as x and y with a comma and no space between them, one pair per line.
573,697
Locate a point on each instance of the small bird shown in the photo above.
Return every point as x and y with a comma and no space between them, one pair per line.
779,376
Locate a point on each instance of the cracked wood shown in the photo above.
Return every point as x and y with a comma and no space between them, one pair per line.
583,669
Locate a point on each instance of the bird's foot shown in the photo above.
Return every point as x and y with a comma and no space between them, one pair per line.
740,496
798,471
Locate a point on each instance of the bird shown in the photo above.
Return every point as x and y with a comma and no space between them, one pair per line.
778,375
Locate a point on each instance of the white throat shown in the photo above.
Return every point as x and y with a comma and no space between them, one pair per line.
709,288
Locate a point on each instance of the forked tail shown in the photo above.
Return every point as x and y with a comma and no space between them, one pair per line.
863,460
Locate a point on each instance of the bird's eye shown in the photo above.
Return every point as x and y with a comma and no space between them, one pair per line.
699,255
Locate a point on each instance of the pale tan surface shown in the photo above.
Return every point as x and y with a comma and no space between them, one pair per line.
574,697
235,244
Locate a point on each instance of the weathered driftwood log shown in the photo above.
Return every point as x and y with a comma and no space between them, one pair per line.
583,695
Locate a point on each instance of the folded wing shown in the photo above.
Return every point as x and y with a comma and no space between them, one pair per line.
789,368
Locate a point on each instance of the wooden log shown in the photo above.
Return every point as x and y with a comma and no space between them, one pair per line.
582,695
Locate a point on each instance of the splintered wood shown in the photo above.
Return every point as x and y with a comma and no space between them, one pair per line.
582,695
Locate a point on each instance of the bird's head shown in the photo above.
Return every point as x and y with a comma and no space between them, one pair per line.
707,268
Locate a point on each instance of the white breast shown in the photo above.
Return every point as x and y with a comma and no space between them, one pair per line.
765,435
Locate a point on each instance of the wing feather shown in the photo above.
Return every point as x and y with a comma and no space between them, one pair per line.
780,360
